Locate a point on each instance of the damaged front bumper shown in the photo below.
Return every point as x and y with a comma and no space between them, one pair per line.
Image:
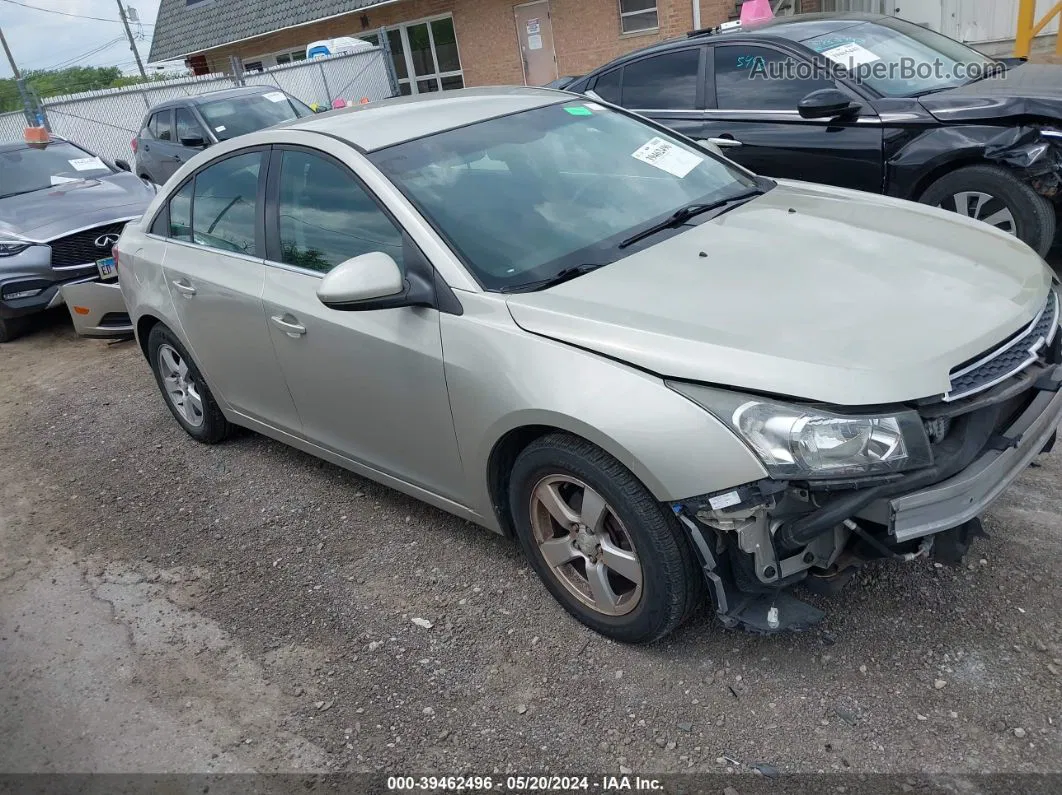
97,309
968,494
757,540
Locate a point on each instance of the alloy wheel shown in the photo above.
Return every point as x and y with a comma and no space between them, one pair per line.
181,389
585,544
982,207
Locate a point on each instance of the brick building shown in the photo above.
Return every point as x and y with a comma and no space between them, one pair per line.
435,44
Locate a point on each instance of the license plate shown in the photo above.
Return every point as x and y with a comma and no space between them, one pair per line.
107,267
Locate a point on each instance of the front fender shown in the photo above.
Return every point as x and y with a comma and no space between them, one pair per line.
673,446
913,163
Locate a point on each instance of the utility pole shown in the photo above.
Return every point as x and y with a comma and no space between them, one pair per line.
129,35
29,107
10,57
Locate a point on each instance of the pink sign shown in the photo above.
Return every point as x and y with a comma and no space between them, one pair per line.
755,11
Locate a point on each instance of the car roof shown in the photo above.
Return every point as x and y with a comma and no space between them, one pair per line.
210,96
391,121
798,28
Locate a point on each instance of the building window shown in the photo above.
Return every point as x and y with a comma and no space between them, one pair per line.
425,56
290,57
637,16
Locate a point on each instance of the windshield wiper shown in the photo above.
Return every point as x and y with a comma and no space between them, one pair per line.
684,214
999,69
23,192
565,275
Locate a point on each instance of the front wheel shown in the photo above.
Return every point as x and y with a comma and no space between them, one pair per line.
602,545
997,197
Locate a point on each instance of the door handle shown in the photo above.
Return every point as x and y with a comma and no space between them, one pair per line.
184,287
723,143
292,327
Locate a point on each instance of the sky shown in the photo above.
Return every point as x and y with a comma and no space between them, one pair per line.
34,36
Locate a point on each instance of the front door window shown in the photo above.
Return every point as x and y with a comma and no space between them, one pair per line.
425,56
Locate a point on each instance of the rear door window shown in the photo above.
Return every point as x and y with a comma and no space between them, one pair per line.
224,202
663,82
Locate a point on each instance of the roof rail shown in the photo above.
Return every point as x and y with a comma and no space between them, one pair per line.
726,27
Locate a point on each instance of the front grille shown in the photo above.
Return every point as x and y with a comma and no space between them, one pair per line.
1009,359
80,248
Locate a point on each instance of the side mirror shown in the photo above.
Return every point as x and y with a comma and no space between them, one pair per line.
827,103
369,281
194,142
122,165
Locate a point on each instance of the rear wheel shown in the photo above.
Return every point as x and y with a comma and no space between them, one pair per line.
996,196
184,389
603,546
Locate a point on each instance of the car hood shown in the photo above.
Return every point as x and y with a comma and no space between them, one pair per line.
53,212
809,291
1026,90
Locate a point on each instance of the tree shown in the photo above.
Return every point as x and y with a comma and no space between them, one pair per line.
72,80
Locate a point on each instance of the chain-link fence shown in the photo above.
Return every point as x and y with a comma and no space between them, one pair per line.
105,122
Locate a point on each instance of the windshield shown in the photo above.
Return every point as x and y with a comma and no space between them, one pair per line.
523,197
229,118
41,166
897,58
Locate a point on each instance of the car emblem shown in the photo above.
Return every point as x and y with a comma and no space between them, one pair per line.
106,241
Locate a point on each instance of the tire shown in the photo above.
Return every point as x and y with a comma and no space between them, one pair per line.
196,410
671,586
11,328
1034,221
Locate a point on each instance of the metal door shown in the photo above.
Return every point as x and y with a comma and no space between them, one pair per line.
534,30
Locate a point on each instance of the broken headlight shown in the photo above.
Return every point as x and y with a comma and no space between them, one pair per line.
802,442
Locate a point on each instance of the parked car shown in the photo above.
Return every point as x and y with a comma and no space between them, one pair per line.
174,131
661,372
863,101
62,208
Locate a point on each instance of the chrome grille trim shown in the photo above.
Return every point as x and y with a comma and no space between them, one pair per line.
1025,349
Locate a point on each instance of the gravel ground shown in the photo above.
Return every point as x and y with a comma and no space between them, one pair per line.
256,607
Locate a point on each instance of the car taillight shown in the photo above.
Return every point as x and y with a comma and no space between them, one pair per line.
133,144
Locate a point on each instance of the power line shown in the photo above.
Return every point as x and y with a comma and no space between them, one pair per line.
75,16
60,13
75,59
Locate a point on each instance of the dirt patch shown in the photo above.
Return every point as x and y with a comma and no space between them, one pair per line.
274,594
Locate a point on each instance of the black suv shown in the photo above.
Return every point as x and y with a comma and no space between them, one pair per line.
175,130
862,101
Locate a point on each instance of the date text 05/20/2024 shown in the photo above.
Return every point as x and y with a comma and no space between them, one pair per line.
472,784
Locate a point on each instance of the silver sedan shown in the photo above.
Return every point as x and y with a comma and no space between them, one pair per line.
665,375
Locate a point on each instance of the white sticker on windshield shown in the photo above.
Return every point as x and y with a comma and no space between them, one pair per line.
220,128
87,164
64,180
275,96
668,157
851,55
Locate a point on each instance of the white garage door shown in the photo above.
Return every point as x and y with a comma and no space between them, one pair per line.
988,20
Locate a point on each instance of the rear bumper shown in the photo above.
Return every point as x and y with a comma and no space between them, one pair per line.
968,494
97,309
